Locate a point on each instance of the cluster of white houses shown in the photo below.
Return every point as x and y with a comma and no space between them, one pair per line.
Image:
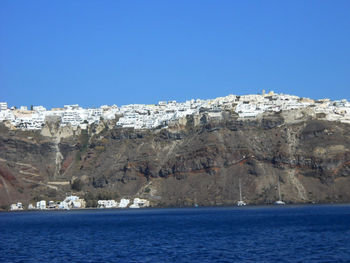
140,116
74,115
74,202
124,203
68,203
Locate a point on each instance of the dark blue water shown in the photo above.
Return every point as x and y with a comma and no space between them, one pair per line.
250,234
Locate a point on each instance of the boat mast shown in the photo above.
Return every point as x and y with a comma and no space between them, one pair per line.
279,190
240,190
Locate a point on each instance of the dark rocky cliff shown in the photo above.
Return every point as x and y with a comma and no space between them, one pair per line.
182,165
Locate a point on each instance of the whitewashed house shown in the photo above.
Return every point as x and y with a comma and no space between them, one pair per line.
124,203
139,203
107,204
41,205
17,206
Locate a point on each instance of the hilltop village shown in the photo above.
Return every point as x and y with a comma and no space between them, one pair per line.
163,114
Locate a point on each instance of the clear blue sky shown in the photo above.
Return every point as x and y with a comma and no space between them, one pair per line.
121,52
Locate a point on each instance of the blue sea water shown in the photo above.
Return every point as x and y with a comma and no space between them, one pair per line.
226,234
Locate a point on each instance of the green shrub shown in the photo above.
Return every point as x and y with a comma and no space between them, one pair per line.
77,185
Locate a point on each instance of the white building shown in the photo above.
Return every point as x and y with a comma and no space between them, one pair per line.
3,106
139,203
63,205
72,202
107,204
39,108
124,203
41,205
139,116
17,206
52,205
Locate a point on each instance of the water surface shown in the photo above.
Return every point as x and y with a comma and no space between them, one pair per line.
248,234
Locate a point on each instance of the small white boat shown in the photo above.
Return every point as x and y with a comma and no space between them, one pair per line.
279,201
240,202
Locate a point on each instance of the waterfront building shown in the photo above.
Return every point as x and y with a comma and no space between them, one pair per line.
140,203
124,203
107,204
52,205
63,205
17,206
41,205
72,202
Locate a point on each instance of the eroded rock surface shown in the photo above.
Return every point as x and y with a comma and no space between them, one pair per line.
199,161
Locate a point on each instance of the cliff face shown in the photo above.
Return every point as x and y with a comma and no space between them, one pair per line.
198,162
